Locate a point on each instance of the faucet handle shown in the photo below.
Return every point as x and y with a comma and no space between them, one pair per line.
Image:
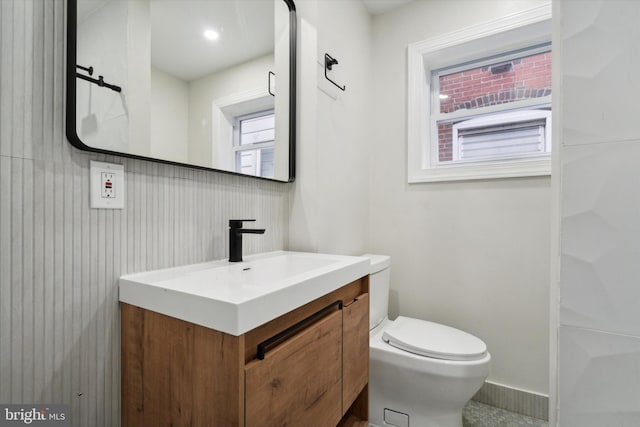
237,223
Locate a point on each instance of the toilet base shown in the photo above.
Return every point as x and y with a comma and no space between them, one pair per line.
431,392
432,407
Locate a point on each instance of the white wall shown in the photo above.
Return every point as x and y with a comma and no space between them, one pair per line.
169,117
330,211
475,254
599,319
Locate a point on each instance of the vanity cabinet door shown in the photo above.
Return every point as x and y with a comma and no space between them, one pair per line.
356,350
299,382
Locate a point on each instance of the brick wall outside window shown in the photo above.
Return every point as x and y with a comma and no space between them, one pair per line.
500,83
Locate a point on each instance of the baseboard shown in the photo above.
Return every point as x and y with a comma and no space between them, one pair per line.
514,400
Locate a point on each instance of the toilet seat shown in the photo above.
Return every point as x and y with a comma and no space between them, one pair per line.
434,340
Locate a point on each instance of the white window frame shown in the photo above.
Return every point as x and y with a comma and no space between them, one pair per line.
511,33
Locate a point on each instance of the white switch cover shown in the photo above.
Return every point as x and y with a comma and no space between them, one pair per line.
107,185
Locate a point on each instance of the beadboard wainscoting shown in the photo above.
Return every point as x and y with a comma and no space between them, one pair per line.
59,259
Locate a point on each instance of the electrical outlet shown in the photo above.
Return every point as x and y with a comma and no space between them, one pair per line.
107,185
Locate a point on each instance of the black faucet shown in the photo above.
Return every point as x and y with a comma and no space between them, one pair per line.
235,237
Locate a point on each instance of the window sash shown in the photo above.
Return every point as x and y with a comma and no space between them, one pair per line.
253,143
490,117
493,59
256,161
528,104
435,74
255,130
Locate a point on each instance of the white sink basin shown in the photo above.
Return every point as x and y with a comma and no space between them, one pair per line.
237,297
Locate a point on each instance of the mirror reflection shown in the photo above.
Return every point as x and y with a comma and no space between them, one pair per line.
198,82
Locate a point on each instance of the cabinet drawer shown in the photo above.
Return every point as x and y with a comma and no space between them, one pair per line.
299,382
355,348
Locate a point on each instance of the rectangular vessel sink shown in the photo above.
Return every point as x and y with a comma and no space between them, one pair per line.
237,297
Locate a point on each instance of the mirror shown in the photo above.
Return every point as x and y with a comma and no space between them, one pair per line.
204,83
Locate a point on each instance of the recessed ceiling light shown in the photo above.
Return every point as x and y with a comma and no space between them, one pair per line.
211,35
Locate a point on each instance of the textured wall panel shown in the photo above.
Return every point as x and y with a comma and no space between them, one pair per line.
59,259
600,378
600,70
599,335
601,237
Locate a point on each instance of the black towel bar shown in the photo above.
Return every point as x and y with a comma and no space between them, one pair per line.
99,81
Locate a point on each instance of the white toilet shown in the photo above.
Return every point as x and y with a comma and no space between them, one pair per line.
421,373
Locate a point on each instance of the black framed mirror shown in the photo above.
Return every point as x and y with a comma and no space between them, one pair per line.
209,84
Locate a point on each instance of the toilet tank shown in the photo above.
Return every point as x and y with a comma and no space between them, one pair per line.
379,282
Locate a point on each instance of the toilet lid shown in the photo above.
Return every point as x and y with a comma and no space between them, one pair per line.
433,340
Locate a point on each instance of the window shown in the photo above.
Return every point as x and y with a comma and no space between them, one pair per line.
254,144
470,102
480,101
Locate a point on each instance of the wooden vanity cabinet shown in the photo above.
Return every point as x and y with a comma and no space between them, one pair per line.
314,373
300,381
355,368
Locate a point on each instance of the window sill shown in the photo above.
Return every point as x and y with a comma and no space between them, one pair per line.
514,169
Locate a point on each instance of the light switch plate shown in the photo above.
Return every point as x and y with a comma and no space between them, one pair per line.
107,185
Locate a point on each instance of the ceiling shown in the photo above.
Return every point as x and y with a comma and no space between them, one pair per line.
378,7
178,45
246,31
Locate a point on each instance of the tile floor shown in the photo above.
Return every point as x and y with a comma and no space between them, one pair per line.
477,414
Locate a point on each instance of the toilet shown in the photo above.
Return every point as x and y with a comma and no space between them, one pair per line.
422,374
